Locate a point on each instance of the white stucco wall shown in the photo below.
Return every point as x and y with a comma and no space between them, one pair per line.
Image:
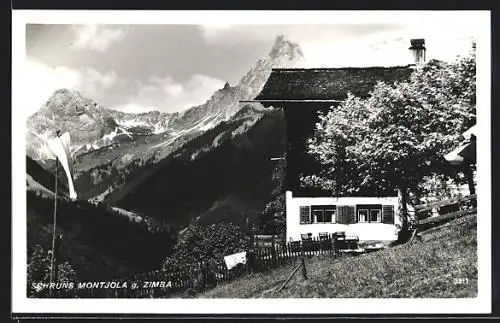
365,231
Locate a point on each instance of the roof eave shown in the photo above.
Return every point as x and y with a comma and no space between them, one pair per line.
280,103
291,100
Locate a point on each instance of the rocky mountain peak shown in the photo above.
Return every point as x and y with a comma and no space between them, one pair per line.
284,54
93,125
64,94
67,101
63,91
283,47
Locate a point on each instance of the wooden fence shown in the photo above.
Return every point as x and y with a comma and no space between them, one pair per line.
449,209
165,283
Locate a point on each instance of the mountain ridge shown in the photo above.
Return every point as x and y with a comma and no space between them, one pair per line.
108,144
89,123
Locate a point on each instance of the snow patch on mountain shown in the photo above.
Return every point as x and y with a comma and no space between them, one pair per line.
207,126
117,132
132,123
158,128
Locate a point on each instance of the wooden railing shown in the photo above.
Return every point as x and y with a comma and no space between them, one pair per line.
467,203
454,200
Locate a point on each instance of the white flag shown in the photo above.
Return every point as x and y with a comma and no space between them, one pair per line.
60,148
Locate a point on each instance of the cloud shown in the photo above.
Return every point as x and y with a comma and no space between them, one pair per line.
42,80
212,31
134,108
95,37
161,93
183,70
167,95
387,48
167,83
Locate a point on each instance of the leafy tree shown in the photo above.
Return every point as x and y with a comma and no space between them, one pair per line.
273,219
398,135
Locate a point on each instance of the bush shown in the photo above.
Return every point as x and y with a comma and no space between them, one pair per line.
206,246
39,272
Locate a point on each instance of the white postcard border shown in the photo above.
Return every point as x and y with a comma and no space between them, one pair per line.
21,304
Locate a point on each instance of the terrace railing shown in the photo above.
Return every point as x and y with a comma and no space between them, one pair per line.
448,209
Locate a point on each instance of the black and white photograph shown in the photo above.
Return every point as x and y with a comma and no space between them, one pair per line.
213,161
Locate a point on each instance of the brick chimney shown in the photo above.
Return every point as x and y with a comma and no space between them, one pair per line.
417,49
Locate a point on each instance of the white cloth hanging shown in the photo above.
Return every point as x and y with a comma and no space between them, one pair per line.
235,259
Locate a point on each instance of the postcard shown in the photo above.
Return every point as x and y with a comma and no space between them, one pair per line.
190,162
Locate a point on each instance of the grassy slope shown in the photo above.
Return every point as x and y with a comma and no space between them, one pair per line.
425,269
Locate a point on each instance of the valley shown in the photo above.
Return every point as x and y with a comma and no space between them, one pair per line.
153,174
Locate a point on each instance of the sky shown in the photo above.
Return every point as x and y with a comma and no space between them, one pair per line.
138,68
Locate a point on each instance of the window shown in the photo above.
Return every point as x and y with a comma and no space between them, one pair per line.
363,215
305,214
323,213
371,213
330,215
318,216
375,215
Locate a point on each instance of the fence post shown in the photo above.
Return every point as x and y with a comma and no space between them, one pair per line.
274,263
332,244
289,251
303,263
335,246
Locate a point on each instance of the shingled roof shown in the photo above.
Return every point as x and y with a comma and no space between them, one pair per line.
333,84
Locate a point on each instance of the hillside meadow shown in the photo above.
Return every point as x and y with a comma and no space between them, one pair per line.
442,265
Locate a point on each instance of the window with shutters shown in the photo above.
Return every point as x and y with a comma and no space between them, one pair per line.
388,214
323,213
363,215
369,213
305,214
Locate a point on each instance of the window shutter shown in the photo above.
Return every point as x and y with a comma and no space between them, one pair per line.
342,214
351,215
388,214
305,214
